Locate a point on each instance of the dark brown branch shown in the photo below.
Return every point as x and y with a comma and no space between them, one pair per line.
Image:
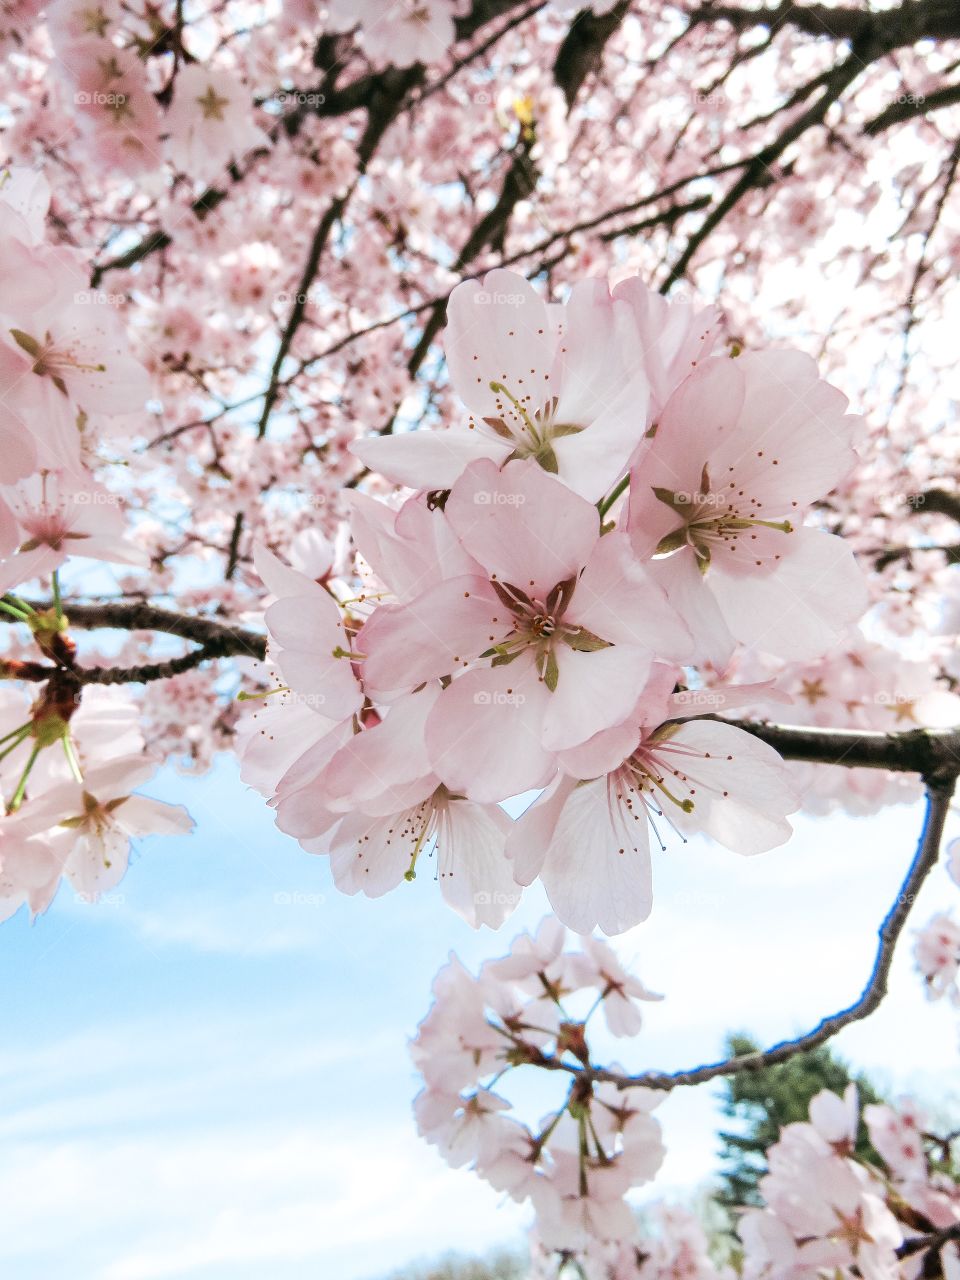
150,671
665,218
156,240
214,640
581,50
233,551
912,106
934,1241
891,28
222,639
931,753
937,502
939,793
890,555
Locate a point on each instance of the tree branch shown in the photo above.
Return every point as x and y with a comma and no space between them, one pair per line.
912,106
939,793
908,23
222,639
935,1240
932,753
581,51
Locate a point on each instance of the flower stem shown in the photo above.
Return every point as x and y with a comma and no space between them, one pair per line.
17,798
14,612
71,755
21,733
604,505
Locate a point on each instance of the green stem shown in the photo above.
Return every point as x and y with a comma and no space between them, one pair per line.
71,755
604,505
26,608
14,613
57,602
21,733
17,799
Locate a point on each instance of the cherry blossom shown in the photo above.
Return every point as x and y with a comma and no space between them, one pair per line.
937,953
741,450
310,640
568,390
209,122
64,361
588,837
552,636
73,813
91,824
56,517
405,32
823,1212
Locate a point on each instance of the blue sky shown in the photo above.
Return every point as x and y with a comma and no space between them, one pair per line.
206,1076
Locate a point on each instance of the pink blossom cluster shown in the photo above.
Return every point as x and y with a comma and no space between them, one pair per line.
115,72
83,811
576,1165
66,376
523,623
828,1213
67,772
194,154
825,1212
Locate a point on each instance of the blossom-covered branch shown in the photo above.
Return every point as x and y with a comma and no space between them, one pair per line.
869,1000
